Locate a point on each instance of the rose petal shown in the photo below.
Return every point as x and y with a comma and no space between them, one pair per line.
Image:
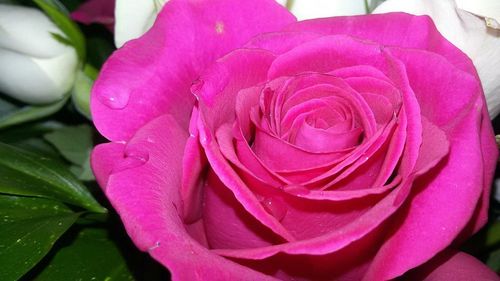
386,29
193,165
103,159
325,54
146,195
331,242
452,265
280,42
228,225
442,100
446,109
431,220
367,222
152,75
238,70
489,147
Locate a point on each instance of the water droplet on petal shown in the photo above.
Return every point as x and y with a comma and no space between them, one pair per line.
275,206
205,137
114,99
156,245
133,158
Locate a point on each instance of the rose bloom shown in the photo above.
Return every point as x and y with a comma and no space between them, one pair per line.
248,146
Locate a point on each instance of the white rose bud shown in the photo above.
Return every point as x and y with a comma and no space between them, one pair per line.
35,68
134,17
470,25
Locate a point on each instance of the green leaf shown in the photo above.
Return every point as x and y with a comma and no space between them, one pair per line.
74,144
493,235
26,131
83,172
6,107
81,90
29,137
30,174
91,256
61,39
11,115
29,228
70,29
493,260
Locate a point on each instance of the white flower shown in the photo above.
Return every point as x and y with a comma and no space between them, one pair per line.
35,68
463,23
134,17
309,9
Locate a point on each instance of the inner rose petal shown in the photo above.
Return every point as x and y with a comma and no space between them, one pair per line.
219,207
313,138
280,155
316,176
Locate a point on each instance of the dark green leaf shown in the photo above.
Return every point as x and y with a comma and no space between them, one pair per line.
26,131
29,137
60,18
29,228
492,234
494,260
12,115
74,143
83,172
91,256
6,107
39,146
26,173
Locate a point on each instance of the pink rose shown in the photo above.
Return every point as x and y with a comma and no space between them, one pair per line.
248,146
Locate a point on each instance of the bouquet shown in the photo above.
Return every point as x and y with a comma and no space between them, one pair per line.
249,140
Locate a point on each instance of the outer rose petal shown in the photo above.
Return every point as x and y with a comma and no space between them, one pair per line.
466,31
144,188
432,221
386,29
151,76
452,265
102,159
